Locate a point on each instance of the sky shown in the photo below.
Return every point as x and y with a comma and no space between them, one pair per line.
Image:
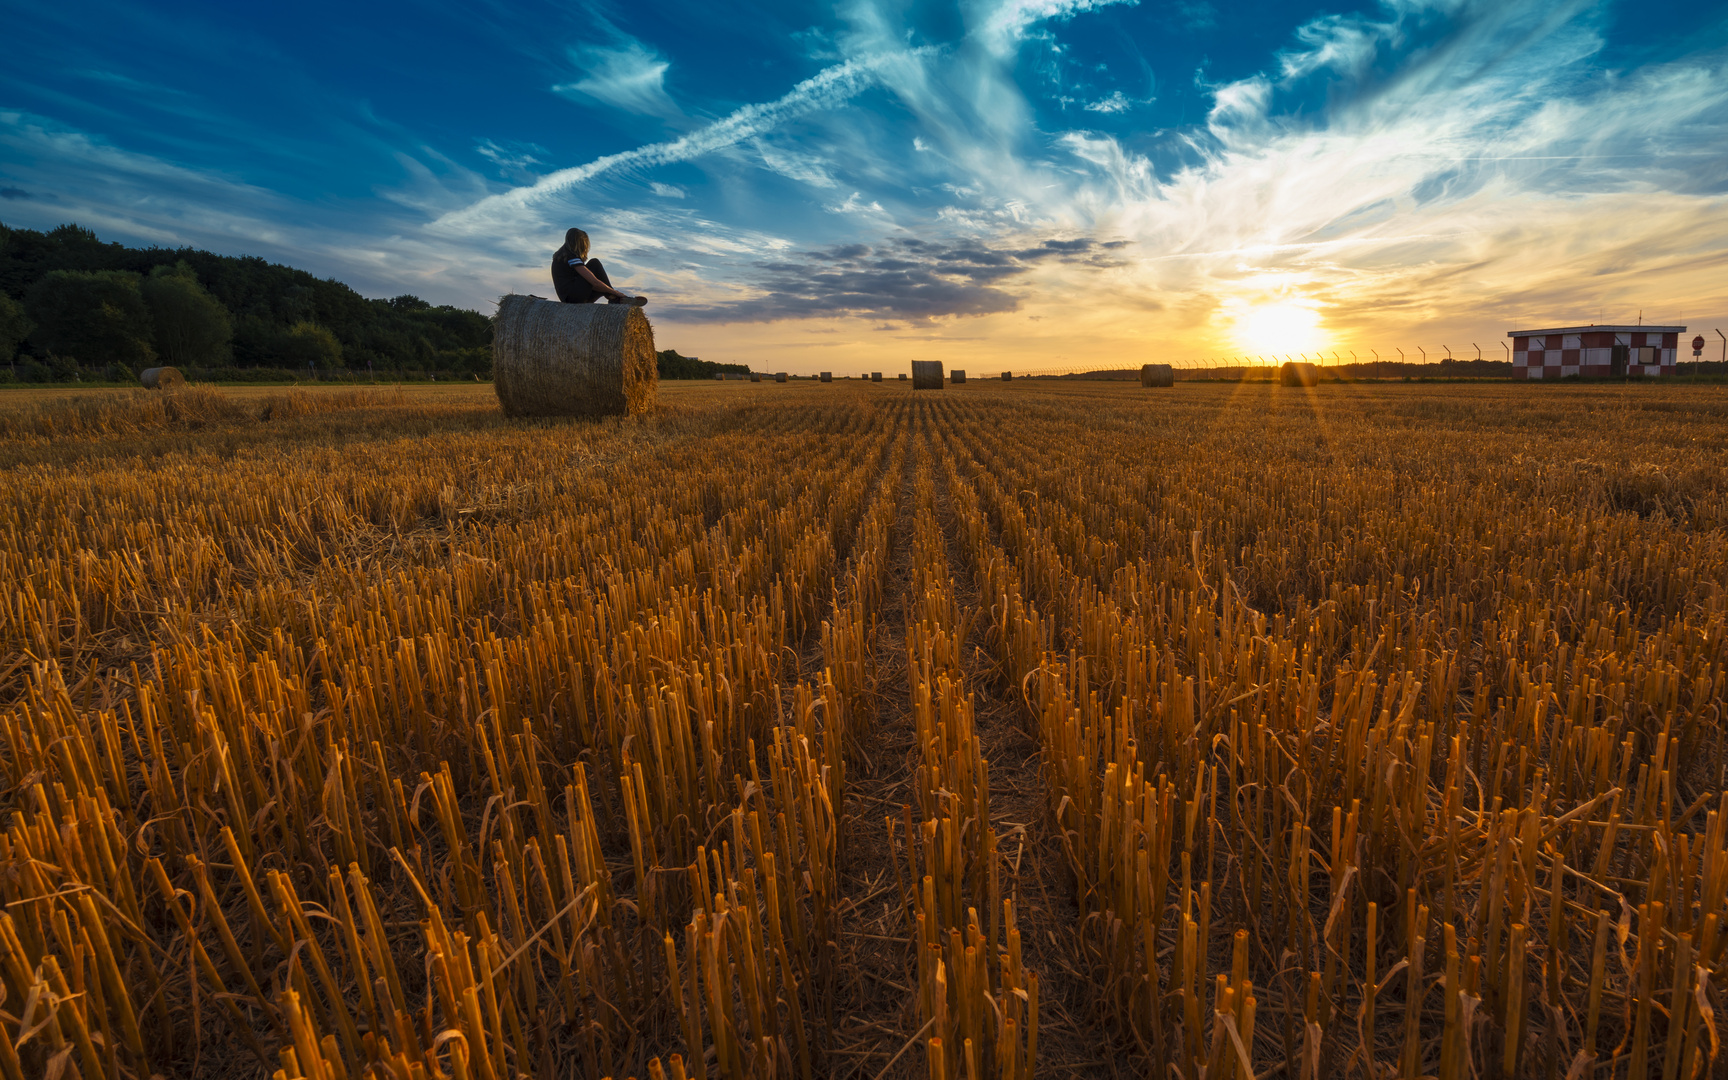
1001,184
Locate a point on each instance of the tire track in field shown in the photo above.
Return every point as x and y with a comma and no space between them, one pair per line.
1034,869
874,1001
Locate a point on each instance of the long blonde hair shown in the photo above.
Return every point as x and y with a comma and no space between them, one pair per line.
575,245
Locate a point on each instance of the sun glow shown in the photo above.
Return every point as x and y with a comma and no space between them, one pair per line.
1285,325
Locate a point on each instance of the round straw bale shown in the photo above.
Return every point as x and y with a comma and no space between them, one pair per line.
754,377
161,378
1157,375
553,359
779,376
875,376
926,374
1297,373
827,376
902,376
1007,375
957,377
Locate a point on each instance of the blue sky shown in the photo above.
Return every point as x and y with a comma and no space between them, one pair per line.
1051,183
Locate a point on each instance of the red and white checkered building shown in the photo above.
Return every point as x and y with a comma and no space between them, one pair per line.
1594,351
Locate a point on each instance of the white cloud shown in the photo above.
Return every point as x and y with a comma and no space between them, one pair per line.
513,159
1115,103
1003,27
630,76
1346,44
666,191
805,168
855,205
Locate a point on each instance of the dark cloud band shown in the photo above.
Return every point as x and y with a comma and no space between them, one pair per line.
904,279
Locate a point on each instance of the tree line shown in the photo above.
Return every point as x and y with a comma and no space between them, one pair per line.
72,306
673,366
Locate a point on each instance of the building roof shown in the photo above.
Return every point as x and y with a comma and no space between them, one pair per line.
1593,329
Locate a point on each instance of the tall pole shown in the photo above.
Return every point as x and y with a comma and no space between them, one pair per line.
1724,338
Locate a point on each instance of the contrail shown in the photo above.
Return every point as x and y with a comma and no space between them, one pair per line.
826,89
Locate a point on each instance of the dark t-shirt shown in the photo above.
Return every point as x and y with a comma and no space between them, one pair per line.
572,288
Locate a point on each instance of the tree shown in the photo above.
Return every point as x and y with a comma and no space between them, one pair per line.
15,326
97,316
192,327
306,344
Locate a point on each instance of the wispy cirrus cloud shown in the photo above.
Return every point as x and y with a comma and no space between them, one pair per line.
1003,25
628,75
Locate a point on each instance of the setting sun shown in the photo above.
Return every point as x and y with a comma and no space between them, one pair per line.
1279,326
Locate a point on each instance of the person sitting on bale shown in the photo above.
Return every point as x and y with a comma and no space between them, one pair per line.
581,280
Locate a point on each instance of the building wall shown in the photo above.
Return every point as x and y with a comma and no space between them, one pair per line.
1556,356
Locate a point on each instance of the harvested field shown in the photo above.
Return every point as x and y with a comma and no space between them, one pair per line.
1040,730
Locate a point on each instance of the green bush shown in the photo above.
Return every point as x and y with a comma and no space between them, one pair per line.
192,327
308,345
15,326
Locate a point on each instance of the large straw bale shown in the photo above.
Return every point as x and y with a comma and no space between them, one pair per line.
1007,375
161,378
1297,373
1157,375
957,377
780,376
926,374
875,376
827,376
755,377
553,359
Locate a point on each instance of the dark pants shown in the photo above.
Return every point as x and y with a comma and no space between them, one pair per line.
578,291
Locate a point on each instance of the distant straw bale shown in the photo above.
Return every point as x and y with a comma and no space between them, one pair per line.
957,377
161,378
875,376
553,359
780,376
926,375
1007,375
827,376
1157,375
1297,373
